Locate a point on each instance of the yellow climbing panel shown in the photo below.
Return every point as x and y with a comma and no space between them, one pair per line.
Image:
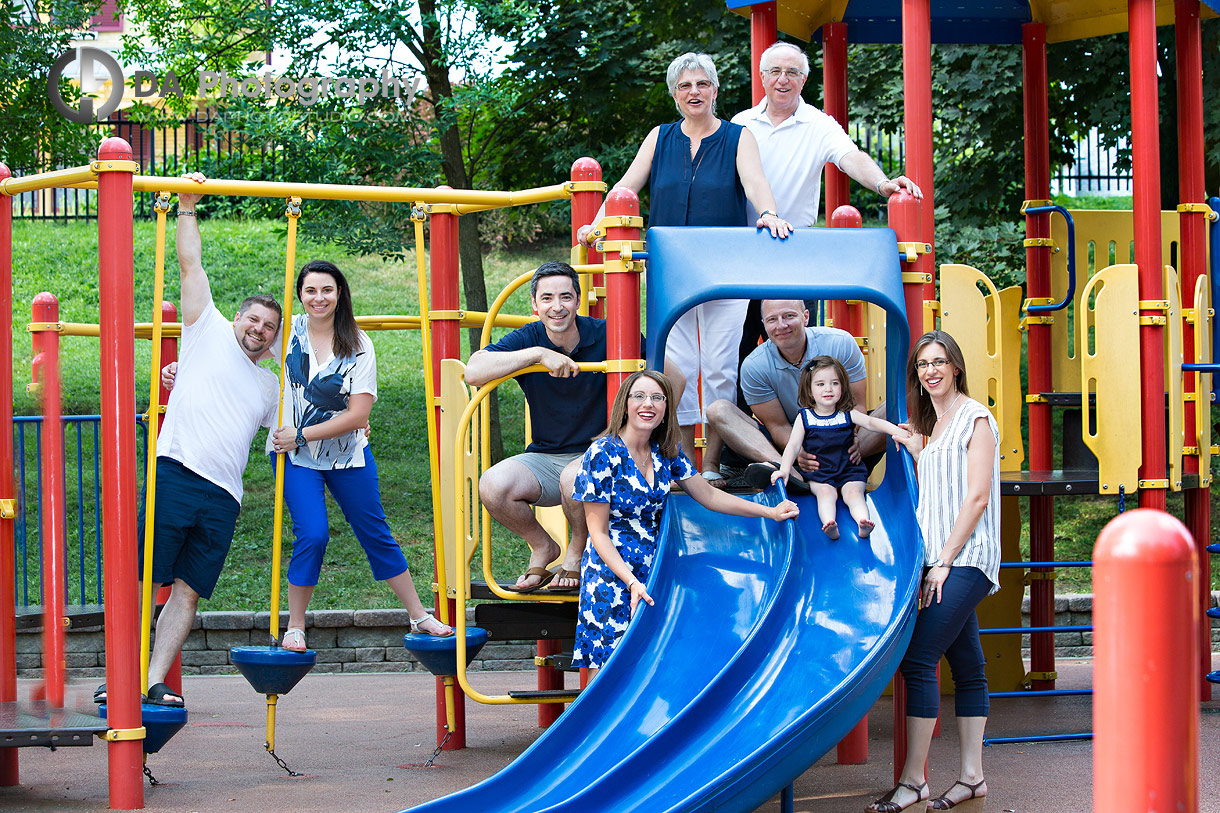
985,323
1203,381
1176,417
1107,335
874,357
458,528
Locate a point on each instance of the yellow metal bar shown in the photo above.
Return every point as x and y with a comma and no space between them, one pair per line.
114,166
271,701
1154,483
1040,242
1152,321
354,192
49,180
45,327
293,212
1028,203
1198,208
494,312
1042,676
1154,304
161,205
1037,300
624,365
1036,399
120,734
445,316
1026,321
438,548
8,509
915,278
586,186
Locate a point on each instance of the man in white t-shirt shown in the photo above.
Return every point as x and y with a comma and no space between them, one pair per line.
219,400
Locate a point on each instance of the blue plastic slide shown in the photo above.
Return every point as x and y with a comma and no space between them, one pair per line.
767,644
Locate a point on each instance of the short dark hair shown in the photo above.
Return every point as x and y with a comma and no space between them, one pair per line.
554,268
264,300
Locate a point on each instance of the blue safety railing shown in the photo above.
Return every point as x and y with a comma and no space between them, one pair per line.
1071,264
82,498
1040,692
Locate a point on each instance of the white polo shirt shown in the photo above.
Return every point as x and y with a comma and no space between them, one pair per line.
793,156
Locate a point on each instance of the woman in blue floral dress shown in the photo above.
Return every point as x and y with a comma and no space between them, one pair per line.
623,482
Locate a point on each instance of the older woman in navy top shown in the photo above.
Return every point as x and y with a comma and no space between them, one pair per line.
701,170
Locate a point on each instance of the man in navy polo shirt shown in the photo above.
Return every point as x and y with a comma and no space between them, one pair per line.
568,410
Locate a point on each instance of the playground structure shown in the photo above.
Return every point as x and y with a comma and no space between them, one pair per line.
1124,310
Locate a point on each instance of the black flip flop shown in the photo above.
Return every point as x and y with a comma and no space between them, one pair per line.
161,695
758,475
99,695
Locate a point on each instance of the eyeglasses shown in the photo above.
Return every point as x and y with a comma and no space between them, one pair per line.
640,397
687,87
791,73
937,363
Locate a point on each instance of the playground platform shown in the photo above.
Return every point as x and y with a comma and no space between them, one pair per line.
352,735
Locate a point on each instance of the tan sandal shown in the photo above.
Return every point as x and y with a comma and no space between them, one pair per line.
544,578
294,640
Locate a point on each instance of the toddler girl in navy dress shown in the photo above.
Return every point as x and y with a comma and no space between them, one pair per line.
826,427
624,481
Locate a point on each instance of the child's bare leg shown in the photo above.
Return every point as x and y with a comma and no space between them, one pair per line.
828,497
853,497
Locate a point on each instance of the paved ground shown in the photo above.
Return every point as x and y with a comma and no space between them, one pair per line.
355,735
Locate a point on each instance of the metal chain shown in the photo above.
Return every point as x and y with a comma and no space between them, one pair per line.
438,750
283,764
1122,499
152,780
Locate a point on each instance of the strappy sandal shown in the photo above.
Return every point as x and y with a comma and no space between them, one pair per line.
943,802
418,623
886,803
294,640
567,575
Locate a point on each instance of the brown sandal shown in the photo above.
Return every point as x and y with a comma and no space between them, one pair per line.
565,574
544,578
943,802
886,803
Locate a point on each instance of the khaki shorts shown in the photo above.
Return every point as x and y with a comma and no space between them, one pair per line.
546,469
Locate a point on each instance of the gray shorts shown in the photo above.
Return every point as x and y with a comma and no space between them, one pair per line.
546,469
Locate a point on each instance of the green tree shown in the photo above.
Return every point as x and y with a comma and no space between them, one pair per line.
33,136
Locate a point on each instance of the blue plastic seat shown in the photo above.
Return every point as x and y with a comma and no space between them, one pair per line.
439,655
272,669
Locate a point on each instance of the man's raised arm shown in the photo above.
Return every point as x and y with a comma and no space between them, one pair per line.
196,293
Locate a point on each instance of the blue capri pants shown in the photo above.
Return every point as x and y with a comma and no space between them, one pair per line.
949,628
358,495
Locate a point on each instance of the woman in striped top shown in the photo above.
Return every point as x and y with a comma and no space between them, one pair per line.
959,515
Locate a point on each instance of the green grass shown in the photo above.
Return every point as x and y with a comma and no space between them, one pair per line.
243,257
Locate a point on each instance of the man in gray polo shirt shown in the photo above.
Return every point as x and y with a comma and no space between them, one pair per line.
769,380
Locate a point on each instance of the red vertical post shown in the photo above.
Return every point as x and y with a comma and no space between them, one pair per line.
917,115
764,31
9,774
118,441
1145,651
169,354
585,205
1193,262
1038,276
846,316
622,291
834,100
446,341
54,545
1146,171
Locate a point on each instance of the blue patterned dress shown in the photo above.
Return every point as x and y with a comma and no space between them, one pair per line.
609,475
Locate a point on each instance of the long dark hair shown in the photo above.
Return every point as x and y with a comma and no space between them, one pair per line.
923,414
346,342
804,395
665,434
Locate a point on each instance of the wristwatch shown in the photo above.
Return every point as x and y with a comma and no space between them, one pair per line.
300,437
766,212
939,563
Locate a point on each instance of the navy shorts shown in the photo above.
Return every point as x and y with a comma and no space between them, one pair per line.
193,528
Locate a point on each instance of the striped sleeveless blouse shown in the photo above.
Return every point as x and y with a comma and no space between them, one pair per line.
942,490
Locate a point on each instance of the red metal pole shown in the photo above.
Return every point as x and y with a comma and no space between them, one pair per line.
764,31
905,220
118,441
1146,170
585,206
1038,277
834,99
1193,252
169,354
446,344
1146,687
9,774
917,113
846,316
54,545
622,292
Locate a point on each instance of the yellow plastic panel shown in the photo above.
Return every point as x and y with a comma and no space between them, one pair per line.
1203,381
1106,367
971,317
1176,417
874,359
455,526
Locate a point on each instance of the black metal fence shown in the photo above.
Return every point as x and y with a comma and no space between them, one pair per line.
171,147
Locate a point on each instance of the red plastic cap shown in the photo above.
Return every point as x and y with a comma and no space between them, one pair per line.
586,169
46,307
846,217
168,312
114,149
1145,535
622,201
4,171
